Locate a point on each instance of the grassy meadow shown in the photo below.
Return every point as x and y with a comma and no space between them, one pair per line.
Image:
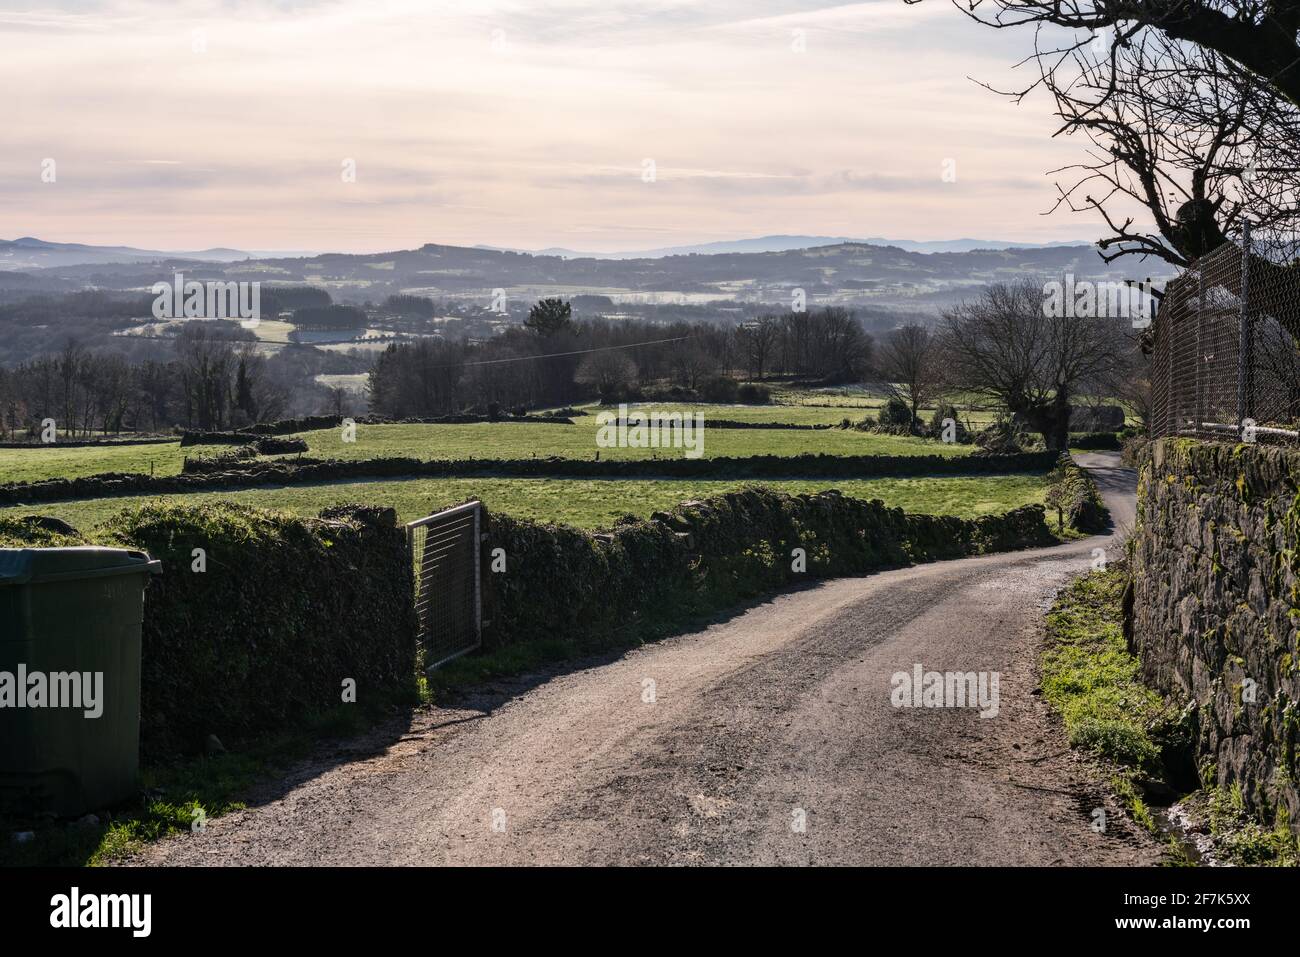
512,440
587,503
500,440
46,462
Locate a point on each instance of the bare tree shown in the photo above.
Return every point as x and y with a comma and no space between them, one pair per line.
207,363
339,400
909,363
758,341
1175,129
1003,346
1179,124
70,360
610,373
1260,36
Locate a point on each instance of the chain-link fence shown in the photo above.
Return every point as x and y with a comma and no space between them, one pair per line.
1224,359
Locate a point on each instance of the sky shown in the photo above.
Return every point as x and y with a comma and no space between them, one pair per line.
598,125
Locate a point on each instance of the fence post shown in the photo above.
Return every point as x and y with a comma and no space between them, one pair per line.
1199,406
1171,400
1244,354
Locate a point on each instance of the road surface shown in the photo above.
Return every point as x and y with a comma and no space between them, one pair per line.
769,738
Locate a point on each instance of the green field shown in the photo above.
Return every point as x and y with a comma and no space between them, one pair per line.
588,503
853,402
46,462
505,440
512,440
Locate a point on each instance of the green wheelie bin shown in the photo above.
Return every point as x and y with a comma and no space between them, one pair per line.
70,622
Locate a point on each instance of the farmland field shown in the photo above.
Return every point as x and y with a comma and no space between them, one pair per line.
494,440
593,503
45,462
512,440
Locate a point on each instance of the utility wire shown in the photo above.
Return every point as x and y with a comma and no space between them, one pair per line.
478,362
576,352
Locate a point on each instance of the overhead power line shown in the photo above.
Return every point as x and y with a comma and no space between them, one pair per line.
477,362
576,352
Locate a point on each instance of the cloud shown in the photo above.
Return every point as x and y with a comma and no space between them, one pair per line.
225,122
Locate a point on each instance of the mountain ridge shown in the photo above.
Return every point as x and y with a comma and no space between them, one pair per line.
30,252
781,242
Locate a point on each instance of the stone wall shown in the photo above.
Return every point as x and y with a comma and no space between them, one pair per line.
702,556
261,472
1215,607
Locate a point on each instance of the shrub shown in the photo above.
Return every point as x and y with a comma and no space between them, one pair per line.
1095,441
896,414
946,411
719,388
264,637
37,531
674,393
1074,495
1005,436
753,394
1133,449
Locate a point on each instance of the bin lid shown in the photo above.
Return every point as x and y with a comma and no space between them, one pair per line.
29,566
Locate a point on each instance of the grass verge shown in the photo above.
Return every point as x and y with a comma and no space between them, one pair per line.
176,797
1094,682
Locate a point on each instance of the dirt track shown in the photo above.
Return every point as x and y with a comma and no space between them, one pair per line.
780,714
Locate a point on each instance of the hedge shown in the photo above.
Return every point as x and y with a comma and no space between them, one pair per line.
1135,447
286,609
1074,494
563,582
287,472
1095,441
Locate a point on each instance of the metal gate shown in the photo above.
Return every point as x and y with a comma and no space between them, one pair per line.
445,560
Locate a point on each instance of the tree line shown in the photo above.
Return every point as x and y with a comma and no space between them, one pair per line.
554,359
999,345
211,382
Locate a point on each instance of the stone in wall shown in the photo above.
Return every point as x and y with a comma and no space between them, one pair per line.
1215,608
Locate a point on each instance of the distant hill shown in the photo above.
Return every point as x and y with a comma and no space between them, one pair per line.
31,253
845,273
774,244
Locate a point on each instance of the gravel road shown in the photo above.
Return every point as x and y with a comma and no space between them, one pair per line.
769,738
